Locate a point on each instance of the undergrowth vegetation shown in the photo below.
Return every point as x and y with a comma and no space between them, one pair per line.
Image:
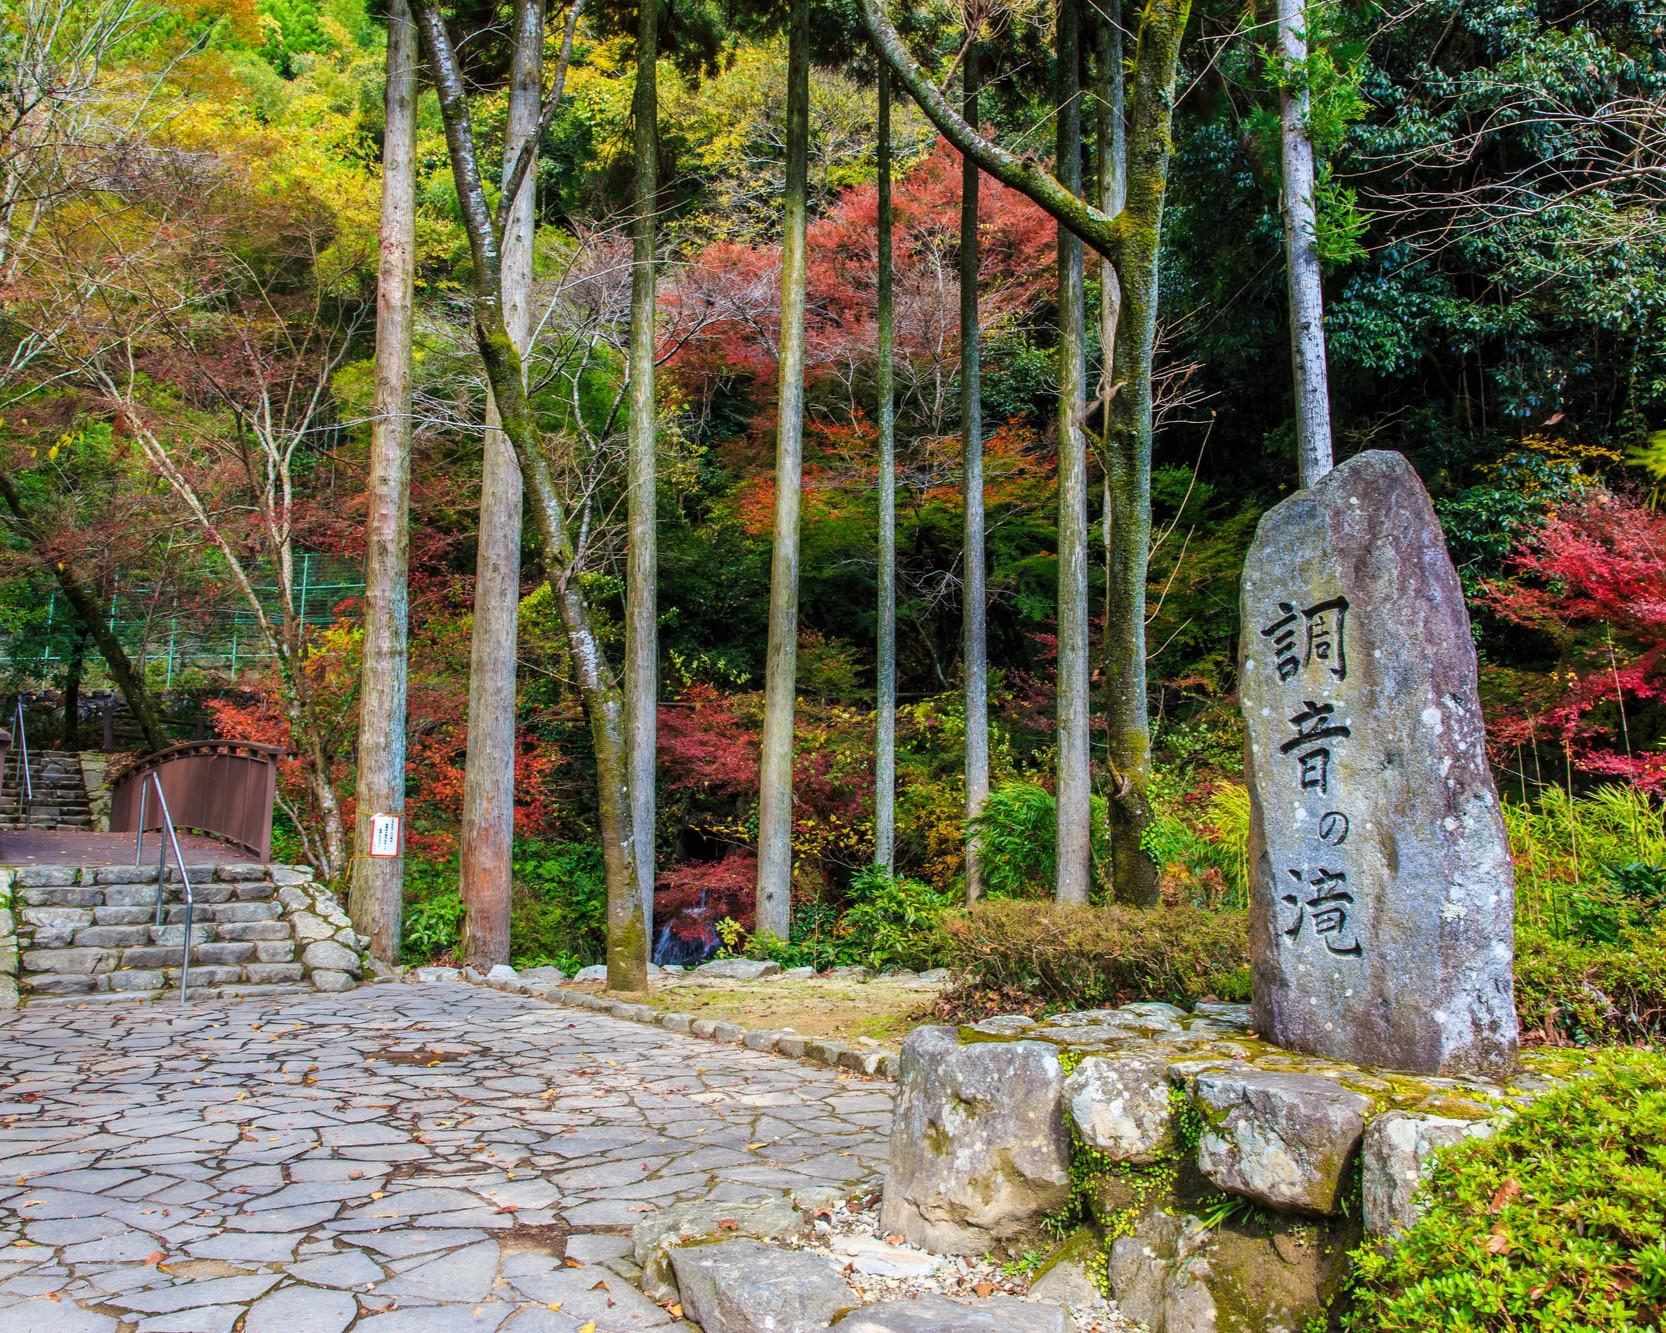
1553,1225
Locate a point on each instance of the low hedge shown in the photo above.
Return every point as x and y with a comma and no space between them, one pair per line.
1554,1225
1087,957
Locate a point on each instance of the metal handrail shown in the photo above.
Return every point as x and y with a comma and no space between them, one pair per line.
146,783
25,781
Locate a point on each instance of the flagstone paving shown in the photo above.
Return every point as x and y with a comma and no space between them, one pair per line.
402,1159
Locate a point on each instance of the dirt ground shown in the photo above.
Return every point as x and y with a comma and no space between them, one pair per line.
841,1007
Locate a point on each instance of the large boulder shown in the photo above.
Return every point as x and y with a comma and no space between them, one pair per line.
1284,1140
1120,1106
745,1286
1382,891
1397,1152
700,1220
979,1149
1174,1274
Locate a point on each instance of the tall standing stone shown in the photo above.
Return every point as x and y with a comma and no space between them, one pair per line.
1382,897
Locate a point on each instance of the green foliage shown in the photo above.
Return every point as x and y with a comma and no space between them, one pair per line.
886,921
1591,993
1083,957
1588,867
1210,854
1017,835
1552,1225
557,914
433,926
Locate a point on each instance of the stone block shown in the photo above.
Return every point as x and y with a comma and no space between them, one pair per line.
44,877
174,936
1284,1140
437,974
291,874
247,912
676,1022
1397,1153
254,892
654,1239
145,874
253,931
745,1286
730,1032
502,973
123,916
58,896
738,969
136,979
979,1150
790,1043
69,962
331,956
760,1040
703,1027
56,918
205,976
224,953
130,895
275,973
113,937
275,951
56,984
1120,1106
240,872
326,979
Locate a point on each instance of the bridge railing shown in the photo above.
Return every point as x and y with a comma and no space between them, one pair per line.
224,788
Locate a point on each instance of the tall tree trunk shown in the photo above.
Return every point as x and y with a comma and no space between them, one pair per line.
885,726
775,769
1074,780
1133,874
72,690
1307,327
376,897
627,941
974,642
134,692
488,826
1111,144
641,576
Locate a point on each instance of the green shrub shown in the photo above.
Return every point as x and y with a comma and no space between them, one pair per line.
1553,1225
1017,835
1086,957
557,912
433,925
1567,990
887,921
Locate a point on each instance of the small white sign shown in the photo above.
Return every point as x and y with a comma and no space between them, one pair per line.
384,835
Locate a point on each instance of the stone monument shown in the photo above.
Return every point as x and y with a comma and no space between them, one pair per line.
1382,894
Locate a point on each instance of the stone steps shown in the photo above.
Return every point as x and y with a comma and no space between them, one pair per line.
76,933
58,797
243,991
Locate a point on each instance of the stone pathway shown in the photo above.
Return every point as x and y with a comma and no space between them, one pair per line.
402,1159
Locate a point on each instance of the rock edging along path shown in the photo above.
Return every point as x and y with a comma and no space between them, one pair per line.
394,1159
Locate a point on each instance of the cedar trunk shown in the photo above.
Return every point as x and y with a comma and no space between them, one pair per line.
1307,306
885,723
641,576
376,894
1074,779
775,816
974,613
488,825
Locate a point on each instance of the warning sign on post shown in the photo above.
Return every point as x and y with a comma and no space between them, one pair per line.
384,835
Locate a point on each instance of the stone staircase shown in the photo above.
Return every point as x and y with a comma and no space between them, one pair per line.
60,795
77,934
